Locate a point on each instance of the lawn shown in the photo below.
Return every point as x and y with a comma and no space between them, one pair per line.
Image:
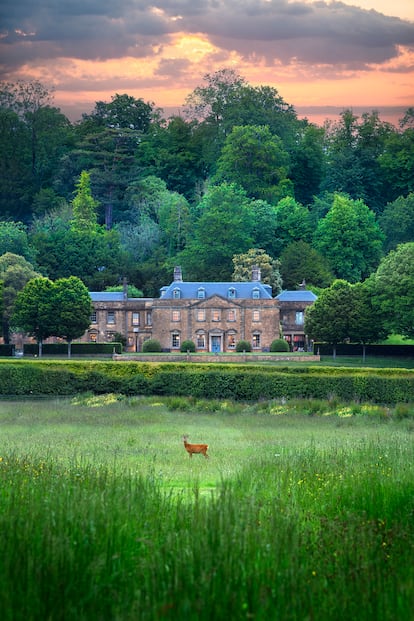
304,510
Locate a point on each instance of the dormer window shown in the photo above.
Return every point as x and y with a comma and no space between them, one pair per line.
231,293
256,293
201,293
176,293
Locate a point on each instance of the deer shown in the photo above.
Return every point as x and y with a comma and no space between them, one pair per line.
195,448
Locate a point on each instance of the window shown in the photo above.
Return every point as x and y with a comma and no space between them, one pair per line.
255,293
148,318
176,315
201,293
231,293
200,314
175,340
176,294
93,337
231,341
215,315
135,319
256,315
94,318
256,340
300,318
231,315
201,341
110,317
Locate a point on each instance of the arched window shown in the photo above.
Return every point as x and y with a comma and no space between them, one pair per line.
256,293
176,293
231,293
201,293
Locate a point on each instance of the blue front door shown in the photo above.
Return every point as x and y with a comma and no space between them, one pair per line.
215,344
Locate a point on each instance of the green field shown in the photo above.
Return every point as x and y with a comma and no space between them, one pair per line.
305,510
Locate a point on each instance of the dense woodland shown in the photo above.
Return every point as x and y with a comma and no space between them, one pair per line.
237,179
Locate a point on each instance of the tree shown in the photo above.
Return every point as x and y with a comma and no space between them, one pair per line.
71,308
14,239
308,163
293,223
350,238
300,262
35,135
255,159
123,111
397,222
393,290
329,319
15,272
256,257
353,151
222,228
226,100
33,311
84,206
367,325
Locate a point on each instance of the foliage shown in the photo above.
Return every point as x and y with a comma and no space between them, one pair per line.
15,272
223,228
243,346
151,346
14,239
256,257
350,238
255,160
300,262
33,312
71,308
279,345
132,291
187,346
329,318
393,290
84,206
397,222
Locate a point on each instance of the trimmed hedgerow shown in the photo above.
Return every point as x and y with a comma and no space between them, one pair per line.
209,381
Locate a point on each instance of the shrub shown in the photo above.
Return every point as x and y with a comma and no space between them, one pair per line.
151,345
243,346
187,346
279,345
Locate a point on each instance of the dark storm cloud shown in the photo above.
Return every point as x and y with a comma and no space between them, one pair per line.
274,30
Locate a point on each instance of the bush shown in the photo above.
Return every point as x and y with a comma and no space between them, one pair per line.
187,346
279,345
151,346
243,346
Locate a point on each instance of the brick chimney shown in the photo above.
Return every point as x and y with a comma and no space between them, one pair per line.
256,275
125,288
178,275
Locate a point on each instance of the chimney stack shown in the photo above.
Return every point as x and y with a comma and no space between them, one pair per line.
256,275
178,276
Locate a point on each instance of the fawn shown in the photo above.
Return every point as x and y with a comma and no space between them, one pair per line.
195,448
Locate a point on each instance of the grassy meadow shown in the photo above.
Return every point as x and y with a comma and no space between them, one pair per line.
304,510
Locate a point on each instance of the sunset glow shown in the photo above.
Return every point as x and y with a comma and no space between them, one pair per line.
314,53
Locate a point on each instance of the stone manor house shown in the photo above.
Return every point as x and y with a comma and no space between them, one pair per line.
214,315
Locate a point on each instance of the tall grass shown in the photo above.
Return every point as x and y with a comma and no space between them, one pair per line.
292,518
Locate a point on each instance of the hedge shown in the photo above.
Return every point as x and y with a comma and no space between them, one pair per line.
355,349
210,381
77,349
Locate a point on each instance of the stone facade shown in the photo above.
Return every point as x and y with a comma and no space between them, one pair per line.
214,315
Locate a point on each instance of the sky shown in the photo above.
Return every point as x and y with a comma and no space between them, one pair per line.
317,53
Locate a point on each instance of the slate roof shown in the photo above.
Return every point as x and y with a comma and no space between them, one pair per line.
189,290
106,296
301,295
